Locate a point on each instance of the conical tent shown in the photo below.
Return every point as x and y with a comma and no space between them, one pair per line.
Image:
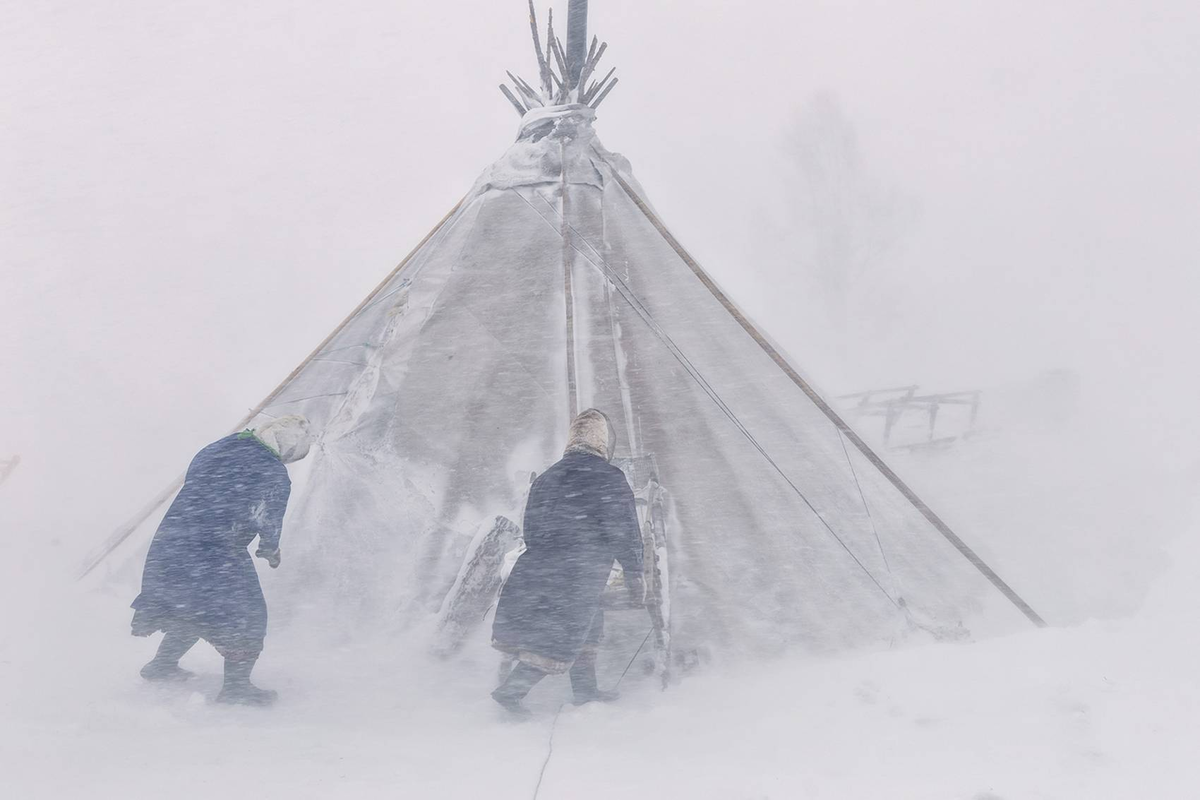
554,287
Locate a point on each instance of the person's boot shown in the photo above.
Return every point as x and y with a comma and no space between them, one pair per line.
518,683
238,690
583,681
165,664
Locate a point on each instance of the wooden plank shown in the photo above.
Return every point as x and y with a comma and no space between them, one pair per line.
530,96
543,67
596,86
589,66
600,99
521,109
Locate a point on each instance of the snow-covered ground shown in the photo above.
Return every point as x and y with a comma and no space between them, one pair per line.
1103,710
1097,710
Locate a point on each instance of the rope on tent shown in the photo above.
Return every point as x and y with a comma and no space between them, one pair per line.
636,653
554,726
549,752
870,517
939,634
707,387
118,537
631,298
937,522
349,347
340,361
382,299
302,400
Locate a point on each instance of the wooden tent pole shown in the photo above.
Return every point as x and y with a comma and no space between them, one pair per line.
122,533
569,295
826,409
577,24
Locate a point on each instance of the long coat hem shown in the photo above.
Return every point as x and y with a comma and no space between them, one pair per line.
580,518
199,577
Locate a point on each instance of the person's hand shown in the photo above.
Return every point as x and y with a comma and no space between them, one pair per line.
637,589
272,557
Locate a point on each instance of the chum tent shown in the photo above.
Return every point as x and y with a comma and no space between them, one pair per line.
554,286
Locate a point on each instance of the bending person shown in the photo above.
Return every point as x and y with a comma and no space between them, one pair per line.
199,581
579,519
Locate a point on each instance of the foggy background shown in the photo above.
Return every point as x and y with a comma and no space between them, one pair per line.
956,195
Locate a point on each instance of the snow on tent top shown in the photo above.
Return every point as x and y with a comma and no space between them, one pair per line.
552,288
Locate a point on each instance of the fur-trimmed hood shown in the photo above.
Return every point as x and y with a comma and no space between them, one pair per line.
288,437
592,433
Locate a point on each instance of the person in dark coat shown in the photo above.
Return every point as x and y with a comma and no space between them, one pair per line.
199,581
579,519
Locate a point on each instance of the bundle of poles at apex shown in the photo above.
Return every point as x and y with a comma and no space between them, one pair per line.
565,72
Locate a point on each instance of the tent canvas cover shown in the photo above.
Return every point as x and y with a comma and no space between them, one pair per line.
553,287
